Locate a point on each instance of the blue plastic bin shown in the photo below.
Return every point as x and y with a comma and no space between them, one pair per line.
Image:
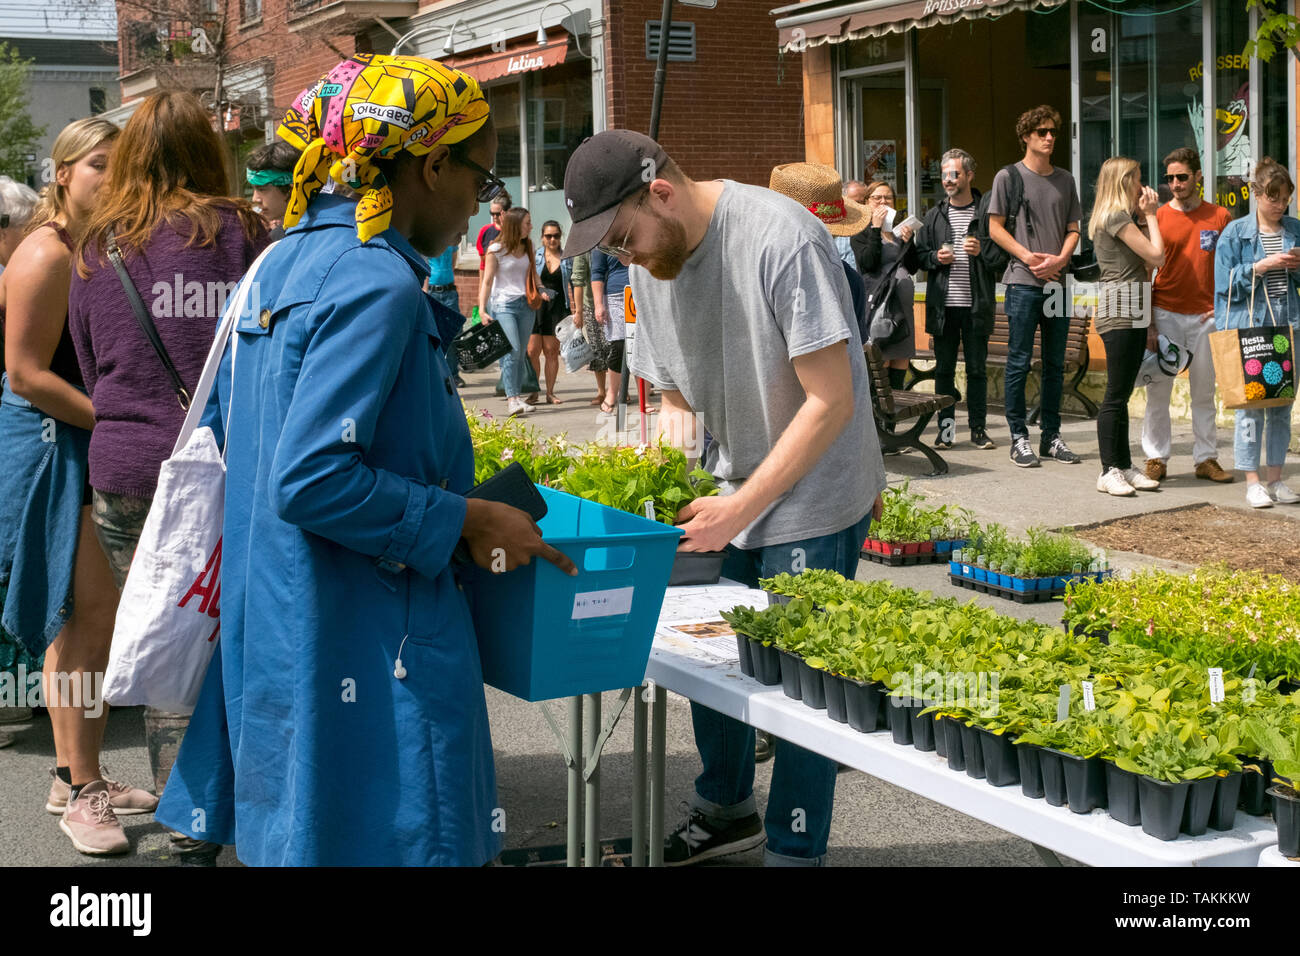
543,634
981,574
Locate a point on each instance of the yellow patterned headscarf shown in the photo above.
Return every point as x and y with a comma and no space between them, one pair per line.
370,107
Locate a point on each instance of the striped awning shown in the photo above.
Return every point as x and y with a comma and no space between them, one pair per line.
805,25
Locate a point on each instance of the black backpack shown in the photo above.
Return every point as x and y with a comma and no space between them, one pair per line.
992,256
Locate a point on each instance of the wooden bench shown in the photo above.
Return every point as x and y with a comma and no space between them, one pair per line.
1076,358
891,408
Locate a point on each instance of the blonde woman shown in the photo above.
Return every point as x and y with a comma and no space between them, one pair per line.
1126,237
504,285
61,597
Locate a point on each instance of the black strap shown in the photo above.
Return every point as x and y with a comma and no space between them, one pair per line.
146,323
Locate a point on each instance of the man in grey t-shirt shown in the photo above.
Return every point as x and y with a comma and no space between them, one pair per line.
744,319
1046,232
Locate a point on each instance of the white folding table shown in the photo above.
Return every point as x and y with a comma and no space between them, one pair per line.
701,670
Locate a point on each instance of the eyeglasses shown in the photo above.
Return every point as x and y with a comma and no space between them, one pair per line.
491,185
1178,177
621,249
550,235
1045,131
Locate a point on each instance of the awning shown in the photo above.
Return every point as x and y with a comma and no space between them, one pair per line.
515,59
813,24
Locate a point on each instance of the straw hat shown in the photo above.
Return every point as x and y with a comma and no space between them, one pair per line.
817,189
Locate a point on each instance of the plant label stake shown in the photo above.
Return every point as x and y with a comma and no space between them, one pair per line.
1216,685
650,510
1089,702
1063,704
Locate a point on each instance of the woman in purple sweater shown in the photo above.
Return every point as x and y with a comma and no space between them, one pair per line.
185,245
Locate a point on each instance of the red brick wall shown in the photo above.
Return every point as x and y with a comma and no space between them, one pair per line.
726,114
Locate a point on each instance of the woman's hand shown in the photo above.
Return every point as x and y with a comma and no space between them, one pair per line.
484,317
502,537
903,233
1279,260
1148,202
878,215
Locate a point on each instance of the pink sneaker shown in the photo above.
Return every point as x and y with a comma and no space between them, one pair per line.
125,800
91,824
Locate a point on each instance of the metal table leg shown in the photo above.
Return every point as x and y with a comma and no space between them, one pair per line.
591,808
575,780
1047,856
639,778
658,720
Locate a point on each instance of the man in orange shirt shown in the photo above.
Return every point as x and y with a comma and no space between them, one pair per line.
1184,314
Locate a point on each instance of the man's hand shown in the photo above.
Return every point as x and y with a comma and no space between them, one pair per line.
710,523
496,531
945,256
1045,266
972,245
1153,336
601,311
1208,316
878,508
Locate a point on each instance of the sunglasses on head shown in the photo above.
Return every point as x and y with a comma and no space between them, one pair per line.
1045,131
1178,177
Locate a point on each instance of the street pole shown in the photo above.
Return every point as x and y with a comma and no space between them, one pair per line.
656,107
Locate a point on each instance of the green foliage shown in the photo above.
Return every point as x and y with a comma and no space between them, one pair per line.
1040,553
499,441
627,478
1276,30
1003,674
906,518
1214,617
19,136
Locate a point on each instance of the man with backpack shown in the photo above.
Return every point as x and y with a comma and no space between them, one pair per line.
1033,215
959,297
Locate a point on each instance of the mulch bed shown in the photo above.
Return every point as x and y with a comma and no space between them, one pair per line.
1243,539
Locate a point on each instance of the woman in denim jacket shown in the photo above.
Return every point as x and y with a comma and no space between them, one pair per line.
1257,267
554,278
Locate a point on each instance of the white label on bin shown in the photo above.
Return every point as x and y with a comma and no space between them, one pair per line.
602,603
1216,685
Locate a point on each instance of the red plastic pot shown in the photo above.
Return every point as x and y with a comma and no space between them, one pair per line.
911,547
927,547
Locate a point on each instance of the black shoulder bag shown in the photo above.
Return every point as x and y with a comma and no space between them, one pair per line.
146,323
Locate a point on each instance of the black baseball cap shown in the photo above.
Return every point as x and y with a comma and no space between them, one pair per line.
602,172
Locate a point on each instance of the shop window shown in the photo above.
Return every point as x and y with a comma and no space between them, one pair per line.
98,100
559,119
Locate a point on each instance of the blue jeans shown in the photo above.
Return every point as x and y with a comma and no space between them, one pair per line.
451,299
1024,308
517,321
802,794
1253,424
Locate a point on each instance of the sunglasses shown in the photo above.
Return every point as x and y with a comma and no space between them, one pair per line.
951,177
550,235
491,184
1045,131
621,249
1178,177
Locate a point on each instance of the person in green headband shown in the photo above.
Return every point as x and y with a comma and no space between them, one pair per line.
270,173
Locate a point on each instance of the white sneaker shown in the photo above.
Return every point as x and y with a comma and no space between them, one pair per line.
1113,482
1139,480
1279,492
1257,496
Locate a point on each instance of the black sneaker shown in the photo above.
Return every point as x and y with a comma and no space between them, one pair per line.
1057,449
1022,454
701,839
763,747
980,438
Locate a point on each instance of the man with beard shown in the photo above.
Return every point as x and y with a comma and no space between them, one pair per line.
1183,296
744,319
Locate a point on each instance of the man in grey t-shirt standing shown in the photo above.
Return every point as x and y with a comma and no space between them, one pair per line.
1046,232
745,322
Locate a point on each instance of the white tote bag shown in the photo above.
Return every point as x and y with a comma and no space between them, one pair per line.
169,617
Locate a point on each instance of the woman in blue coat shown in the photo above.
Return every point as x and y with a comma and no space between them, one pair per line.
1256,278
343,720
